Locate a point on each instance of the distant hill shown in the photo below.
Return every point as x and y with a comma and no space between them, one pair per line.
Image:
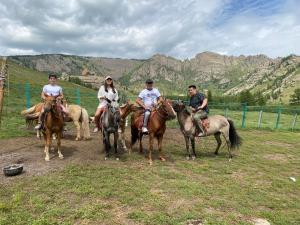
229,75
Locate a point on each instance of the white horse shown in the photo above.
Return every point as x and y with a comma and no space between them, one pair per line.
77,114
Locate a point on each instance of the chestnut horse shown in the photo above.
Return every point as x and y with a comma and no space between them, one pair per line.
156,126
125,110
53,124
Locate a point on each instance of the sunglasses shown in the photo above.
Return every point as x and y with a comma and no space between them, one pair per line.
109,79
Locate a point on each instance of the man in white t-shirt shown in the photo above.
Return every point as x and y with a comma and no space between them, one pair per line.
148,99
51,89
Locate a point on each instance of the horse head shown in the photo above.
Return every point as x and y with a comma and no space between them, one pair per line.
178,106
50,103
165,107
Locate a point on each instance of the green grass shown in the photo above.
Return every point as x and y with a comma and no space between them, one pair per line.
255,184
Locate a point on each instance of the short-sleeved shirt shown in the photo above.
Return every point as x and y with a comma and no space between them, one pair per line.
52,90
197,100
149,97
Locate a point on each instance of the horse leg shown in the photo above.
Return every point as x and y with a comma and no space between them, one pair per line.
193,147
59,134
219,141
47,138
122,135
78,130
226,137
159,141
187,146
116,137
106,144
150,148
141,144
38,134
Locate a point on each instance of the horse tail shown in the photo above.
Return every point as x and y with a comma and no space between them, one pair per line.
84,117
235,139
134,135
28,111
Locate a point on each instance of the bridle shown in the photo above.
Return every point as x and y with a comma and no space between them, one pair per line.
162,108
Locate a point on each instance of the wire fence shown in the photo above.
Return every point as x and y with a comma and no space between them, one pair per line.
280,117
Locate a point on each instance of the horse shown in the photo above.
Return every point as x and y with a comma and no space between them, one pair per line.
125,110
77,114
156,126
110,120
53,124
218,125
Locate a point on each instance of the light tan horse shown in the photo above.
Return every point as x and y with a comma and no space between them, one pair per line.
77,114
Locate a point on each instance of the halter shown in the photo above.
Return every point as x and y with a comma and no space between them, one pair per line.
167,117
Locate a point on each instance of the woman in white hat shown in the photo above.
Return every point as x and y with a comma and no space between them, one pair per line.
107,93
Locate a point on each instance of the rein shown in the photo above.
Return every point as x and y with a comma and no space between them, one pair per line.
164,117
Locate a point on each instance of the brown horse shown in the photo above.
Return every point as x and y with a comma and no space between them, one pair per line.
125,110
53,124
156,126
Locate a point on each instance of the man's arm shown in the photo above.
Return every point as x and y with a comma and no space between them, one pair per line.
140,102
204,103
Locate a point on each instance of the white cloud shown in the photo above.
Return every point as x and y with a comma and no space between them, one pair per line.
139,29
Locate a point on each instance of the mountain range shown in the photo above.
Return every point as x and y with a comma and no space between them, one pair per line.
275,78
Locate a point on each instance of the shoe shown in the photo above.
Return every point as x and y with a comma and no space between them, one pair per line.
96,130
144,130
38,126
201,135
119,130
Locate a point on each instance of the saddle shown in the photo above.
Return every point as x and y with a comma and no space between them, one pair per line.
205,125
141,119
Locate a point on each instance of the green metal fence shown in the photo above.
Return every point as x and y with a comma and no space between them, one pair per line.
267,117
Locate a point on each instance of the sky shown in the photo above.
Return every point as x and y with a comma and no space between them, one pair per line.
141,28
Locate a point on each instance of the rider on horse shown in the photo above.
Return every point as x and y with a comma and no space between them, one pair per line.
198,108
51,89
107,94
148,99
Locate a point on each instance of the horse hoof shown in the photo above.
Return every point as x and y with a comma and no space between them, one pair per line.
187,158
230,159
47,159
77,139
162,159
117,159
193,157
61,156
150,163
105,158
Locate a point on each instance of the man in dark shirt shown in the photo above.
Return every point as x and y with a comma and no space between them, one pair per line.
198,107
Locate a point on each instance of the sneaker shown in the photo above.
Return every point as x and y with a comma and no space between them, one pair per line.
201,135
38,126
96,130
144,130
119,130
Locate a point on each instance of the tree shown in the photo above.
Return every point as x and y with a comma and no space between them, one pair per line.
295,98
246,97
260,99
209,96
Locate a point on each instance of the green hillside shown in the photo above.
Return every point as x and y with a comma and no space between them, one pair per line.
26,84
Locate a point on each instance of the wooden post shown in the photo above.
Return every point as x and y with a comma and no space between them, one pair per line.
3,73
294,121
260,118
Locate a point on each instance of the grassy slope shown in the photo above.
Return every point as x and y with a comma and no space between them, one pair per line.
255,184
15,100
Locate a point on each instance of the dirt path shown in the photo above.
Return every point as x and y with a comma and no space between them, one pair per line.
29,151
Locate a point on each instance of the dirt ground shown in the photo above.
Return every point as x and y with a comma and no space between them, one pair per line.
29,152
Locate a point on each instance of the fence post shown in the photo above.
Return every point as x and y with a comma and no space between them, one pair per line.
78,96
27,94
260,117
226,112
244,115
278,118
294,121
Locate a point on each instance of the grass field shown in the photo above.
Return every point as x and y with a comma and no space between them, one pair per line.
255,184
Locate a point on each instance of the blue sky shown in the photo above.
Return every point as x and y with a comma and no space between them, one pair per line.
141,28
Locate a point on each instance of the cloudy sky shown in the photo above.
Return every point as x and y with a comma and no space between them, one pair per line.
141,28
